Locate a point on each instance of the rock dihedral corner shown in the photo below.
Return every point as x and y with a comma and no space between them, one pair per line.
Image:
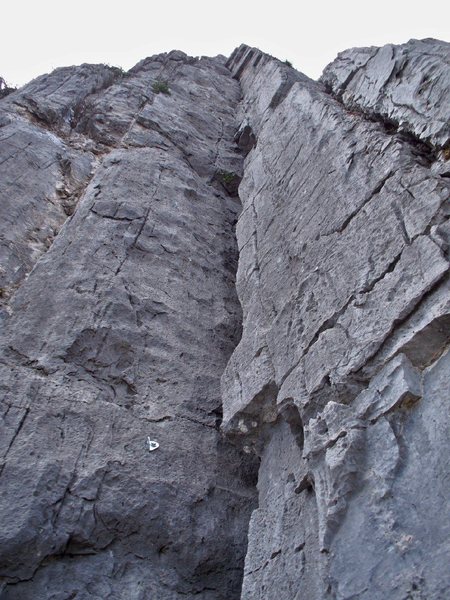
124,306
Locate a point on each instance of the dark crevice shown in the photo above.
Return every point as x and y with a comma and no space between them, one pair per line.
423,152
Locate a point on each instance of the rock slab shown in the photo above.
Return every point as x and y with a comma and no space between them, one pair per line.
119,314
339,380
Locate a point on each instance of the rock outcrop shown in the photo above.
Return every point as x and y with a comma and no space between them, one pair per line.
403,86
341,375
126,200
117,325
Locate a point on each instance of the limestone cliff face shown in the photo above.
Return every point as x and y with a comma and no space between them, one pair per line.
117,324
342,373
197,221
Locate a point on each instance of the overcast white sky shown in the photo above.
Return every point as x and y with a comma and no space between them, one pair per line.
40,35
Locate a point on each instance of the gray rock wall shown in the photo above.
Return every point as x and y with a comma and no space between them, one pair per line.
340,376
298,395
120,333
406,86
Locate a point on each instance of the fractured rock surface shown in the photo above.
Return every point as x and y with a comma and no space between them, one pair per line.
406,86
127,319
121,332
340,376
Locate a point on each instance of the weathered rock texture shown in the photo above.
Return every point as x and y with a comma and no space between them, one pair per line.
406,86
342,372
120,315
121,331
